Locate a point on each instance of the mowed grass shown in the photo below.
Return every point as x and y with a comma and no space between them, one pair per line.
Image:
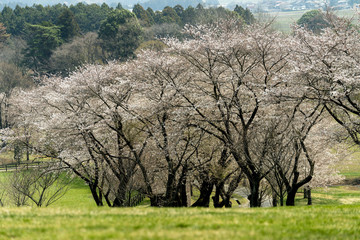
335,195
78,195
75,216
314,222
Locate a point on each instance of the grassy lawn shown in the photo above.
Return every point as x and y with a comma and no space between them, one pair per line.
335,215
336,195
317,222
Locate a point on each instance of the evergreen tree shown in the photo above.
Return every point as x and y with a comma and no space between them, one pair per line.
246,14
120,34
168,15
144,17
41,40
68,25
313,20
3,34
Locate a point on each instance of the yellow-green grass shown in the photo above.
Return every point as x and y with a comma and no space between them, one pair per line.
78,195
75,216
314,222
284,20
336,195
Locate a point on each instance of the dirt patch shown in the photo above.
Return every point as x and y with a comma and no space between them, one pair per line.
349,200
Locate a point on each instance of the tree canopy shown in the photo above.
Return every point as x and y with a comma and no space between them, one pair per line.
120,33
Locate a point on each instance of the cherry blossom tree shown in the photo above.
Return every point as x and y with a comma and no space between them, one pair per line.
325,67
232,68
173,145
82,124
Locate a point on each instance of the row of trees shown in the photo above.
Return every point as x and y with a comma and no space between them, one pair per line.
59,39
228,104
90,16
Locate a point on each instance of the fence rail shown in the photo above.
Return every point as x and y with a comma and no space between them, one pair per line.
15,166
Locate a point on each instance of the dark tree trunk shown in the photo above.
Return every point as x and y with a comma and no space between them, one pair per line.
292,190
227,203
1,125
309,196
274,199
225,196
290,201
120,198
282,200
185,194
27,151
157,201
106,196
305,193
96,196
6,115
216,198
205,192
254,196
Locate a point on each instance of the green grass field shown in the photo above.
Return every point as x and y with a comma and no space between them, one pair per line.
334,215
317,222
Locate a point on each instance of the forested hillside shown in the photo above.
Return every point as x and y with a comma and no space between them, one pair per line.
154,4
87,33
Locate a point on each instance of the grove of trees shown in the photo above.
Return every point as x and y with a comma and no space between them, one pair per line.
227,103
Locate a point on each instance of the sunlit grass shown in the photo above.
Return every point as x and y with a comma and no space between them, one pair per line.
336,195
320,222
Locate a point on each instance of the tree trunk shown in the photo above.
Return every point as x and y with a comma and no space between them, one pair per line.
185,195
27,152
226,202
172,198
254,196
205,192
157,201
1,124
282,200
305,193
6,115
96,197
216,197
106,196
290,201
274,199
120,198
309,196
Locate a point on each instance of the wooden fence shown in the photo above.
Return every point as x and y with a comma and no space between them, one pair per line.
16,166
